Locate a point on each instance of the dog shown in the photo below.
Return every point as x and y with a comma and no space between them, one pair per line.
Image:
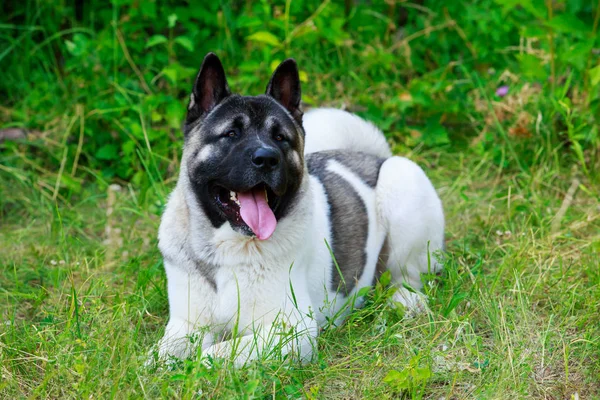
279,219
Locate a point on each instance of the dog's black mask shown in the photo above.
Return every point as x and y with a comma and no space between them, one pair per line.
244,154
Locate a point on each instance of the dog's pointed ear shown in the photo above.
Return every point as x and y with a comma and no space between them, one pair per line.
210,88
284,87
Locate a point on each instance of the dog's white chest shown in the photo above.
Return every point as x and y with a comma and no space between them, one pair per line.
251,293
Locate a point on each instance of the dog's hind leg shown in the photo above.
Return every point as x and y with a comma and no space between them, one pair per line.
411,212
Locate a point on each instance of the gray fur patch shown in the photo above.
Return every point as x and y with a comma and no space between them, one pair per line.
382,260
205,269
348,213
208,271
366,166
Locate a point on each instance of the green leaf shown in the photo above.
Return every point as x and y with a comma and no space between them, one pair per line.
422,373
567,23
594,74
185,42
303,76
175,72
251,386
454,302
532,67
363,291
264,37
156,39
274,64
533,31
70,183
178,377
292,389
397,379
304,30
107,152
171,73
174,114
535,8
128,147
434,133
248,21
385,278
577,54
172,19
70,46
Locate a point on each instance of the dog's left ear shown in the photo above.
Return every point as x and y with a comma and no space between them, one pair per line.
284,87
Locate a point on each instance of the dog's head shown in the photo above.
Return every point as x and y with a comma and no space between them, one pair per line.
244,154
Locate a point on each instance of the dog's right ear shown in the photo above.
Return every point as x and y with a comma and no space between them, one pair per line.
210,88
284,87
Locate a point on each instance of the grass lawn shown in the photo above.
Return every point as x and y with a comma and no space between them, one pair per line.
515,315
498,102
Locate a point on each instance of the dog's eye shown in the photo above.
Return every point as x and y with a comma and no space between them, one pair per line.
231,133
279,137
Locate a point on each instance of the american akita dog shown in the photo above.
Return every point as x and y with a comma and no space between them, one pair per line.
276,224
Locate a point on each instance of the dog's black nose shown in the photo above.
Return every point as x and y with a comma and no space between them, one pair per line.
265,158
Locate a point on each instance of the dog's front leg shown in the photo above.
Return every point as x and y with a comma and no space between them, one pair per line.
273,342
190,304
181,339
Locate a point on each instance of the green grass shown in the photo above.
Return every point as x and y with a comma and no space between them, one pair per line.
515,313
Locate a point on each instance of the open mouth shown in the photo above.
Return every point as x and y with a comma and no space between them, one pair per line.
254,208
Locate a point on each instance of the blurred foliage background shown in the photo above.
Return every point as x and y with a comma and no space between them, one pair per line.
101,87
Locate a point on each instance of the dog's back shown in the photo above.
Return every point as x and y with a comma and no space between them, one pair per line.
340,145
332,129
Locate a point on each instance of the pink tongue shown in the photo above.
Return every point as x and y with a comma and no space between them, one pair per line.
256,213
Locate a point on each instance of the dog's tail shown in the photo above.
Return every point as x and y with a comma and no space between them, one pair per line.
332,129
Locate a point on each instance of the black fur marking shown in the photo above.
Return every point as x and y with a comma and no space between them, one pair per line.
348,214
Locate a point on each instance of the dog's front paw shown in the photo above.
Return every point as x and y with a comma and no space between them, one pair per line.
156,362
169,351
240,352
211,357
215,351
414,303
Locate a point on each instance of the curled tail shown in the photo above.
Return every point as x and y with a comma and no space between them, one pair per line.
333,129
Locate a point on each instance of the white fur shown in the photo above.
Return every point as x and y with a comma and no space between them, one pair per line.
205,153
332,129
282,285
